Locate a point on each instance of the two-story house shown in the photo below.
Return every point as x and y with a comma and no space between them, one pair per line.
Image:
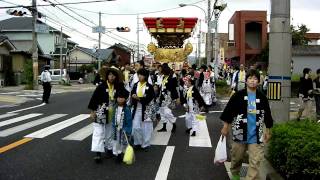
19,31
80,56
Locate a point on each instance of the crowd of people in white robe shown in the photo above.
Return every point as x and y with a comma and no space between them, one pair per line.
127,102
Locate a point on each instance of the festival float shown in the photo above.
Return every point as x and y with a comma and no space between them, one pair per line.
171,34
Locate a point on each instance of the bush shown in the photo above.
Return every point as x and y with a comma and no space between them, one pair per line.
221,83
294,150
222,88
28,74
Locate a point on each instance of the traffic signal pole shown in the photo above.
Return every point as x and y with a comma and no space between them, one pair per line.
99,43
34,45
138,39
279,83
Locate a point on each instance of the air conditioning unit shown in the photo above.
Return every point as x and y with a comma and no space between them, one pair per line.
231,44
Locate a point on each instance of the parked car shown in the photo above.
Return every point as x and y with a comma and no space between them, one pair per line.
55,76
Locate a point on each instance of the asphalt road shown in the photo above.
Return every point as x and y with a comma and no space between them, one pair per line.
52,157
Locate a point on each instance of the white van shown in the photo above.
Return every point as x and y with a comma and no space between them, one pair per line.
55,75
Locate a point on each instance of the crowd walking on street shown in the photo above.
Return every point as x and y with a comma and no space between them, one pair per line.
128,102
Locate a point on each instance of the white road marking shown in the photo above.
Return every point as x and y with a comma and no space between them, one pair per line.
7,115
57,127
161,138
8,93
164,167
28,108
8,106
202,138
81,134
28,125
18,119
30,95
224,100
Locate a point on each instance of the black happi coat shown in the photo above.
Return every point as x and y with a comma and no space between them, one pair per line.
170,87
196,97
145,100
235,113
101,96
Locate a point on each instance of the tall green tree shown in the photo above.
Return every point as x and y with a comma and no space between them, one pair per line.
298,39
299,35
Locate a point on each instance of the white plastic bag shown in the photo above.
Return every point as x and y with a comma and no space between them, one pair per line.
98,137
221,151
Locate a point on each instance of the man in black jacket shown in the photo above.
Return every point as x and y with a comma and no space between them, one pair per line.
249,115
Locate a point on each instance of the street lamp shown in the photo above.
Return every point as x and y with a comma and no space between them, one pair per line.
217,10
208,36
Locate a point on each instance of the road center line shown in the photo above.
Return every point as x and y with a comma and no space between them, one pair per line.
15,144
164,167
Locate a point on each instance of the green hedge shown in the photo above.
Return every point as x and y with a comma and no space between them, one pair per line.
294,150
222,88
28,74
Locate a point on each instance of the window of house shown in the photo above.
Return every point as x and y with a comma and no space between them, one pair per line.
56,72
57,40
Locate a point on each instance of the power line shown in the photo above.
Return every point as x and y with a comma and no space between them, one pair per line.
95,24
73,29
57,4
131,14
76,13
9,2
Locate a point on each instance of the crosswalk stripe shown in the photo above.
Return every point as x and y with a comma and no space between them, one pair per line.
18,119
28,108
161,138
57,127
28,125
81,134
202,138
7,115
9,93
30,95
164,167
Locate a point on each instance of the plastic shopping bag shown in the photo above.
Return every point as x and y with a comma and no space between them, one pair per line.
200,117
221,151
98,137
128,157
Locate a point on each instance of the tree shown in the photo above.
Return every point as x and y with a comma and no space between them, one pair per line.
298,39
298,35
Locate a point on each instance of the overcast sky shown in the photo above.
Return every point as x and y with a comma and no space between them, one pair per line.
302,11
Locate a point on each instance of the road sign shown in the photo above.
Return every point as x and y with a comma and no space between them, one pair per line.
212,24
42,28
274,91
99,29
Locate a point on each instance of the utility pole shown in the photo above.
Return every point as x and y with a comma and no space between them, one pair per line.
217,10
34,45
208,41
279,83
199,44
99,43
216,41
138,39
61,44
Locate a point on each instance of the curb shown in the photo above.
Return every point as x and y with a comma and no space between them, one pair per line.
12,99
